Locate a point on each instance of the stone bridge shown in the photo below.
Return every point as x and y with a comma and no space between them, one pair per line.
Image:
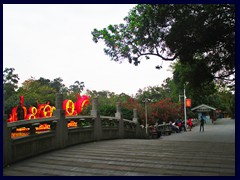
61,136
191,153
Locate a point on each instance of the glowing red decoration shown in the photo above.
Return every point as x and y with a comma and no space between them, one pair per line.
14,115
46,110
69,107
188,102
81,102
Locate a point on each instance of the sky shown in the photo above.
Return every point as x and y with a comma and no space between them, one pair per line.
54,40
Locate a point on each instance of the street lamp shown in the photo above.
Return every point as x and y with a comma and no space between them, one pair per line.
185,111
145,101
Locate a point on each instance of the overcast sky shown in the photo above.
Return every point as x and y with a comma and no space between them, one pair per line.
52,41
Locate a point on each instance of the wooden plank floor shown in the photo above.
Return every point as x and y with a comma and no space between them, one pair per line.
169,155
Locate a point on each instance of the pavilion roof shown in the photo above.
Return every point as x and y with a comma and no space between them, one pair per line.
203,108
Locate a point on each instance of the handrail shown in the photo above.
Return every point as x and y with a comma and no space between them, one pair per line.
79,116
109,117
32,121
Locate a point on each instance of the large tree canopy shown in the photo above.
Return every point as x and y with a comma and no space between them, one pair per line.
189,32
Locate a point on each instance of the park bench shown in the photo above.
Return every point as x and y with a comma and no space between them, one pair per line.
165,129
154,133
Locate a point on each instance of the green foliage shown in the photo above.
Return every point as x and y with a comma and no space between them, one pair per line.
37,91
11,102
201,36
77,87
34,91
226,101
10,82
87,110
157,93
107,102
107,110
57,85
127,113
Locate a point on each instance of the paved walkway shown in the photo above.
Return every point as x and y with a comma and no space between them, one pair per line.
192,153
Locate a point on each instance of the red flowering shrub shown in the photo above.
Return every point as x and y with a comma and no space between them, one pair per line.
162,111
165,110
130,105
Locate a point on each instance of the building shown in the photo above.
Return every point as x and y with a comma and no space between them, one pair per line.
208,112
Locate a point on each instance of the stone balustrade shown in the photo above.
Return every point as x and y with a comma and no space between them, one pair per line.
88,129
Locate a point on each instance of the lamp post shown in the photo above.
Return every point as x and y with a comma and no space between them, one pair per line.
185,111
145,101
146,114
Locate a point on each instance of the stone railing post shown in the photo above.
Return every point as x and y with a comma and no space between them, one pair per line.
135,120
97,131
7,141
61,128
118,115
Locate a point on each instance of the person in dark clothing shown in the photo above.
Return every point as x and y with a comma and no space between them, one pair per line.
202,124
179,124
183,126
174,127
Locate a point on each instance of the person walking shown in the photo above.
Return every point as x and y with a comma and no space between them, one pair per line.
202,124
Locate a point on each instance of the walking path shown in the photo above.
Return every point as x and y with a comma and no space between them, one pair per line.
192,153
223,130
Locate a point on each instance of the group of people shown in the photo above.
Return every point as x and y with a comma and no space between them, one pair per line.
177,126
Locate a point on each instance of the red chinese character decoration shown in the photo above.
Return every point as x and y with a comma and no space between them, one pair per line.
82,101
75,108
69,107
14,116
46,110
32,113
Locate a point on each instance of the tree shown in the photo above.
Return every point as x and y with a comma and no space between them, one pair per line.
57,84
129,105
77,87
227,102
165,110
43,81
10,82
107,102
37,91
10,85
190,77
168,89
189,32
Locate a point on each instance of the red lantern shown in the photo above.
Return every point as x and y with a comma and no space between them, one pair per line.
188,102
